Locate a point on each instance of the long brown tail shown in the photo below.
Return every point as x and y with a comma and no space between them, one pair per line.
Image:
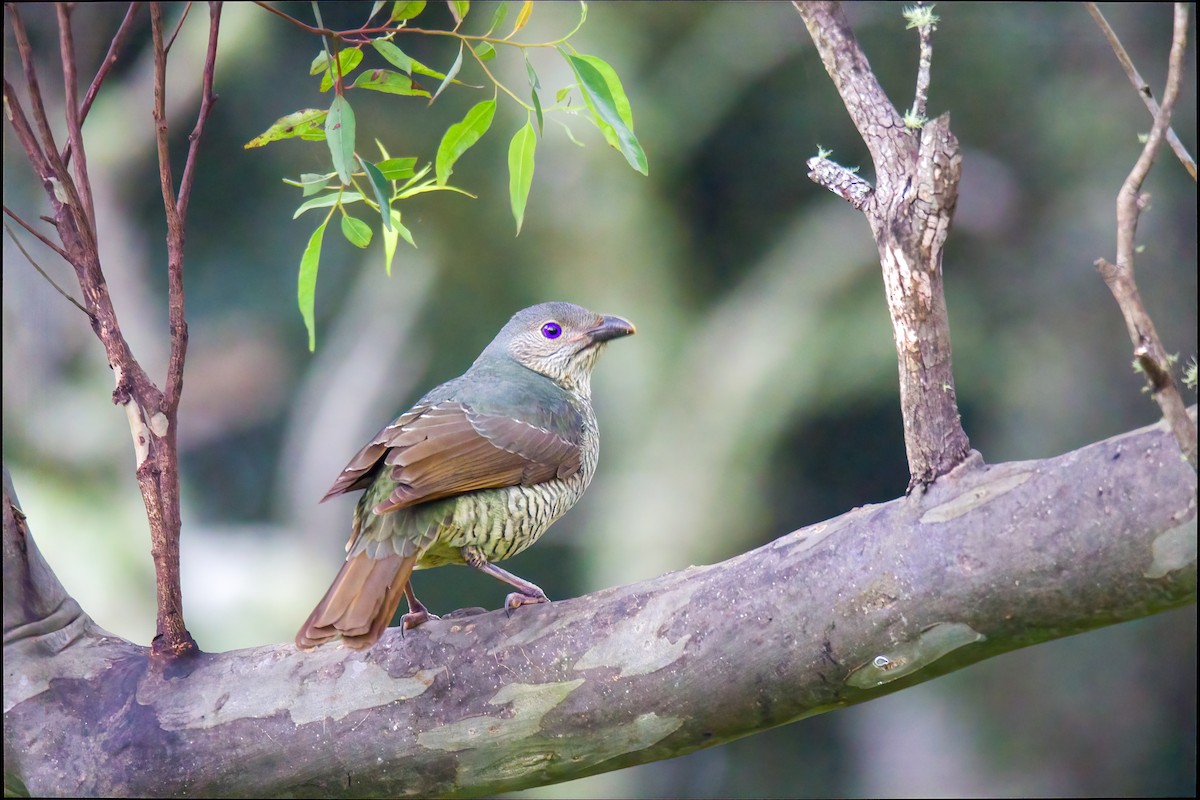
360,603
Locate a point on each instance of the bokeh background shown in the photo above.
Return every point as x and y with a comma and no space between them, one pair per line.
759,395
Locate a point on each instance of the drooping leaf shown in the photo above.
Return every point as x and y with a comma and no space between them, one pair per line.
522,18
520,170
385,80
339,133
348,60
570,135
381,187
534,85
357,232
402,11
606,109
485,51
458,10
298,123
497,17
454,68
306,293
460,136
327,200
391,236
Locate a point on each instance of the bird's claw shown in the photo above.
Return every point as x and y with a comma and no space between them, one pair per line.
517,599
414,618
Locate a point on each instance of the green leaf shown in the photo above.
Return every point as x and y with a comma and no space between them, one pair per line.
306,293
357,232
570,135
449,76
485,51
397,169
347,60
381,187
327,200
339,132
534,85
311,182
394,55
607,101
298,123
520,170
391,236
458,10
431,186
460,136
522,18
497,17
402,11
562,93
384,80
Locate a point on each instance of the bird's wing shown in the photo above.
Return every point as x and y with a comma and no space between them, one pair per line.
449,448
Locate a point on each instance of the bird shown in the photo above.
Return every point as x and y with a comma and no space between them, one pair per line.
473,473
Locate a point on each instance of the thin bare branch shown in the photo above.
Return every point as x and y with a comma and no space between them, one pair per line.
66,46
178,27
110,59
207,98
1143,89
923,19
172,637
41,271
1148,349
40,236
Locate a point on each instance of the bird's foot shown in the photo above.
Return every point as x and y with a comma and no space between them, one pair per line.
517,599
414,618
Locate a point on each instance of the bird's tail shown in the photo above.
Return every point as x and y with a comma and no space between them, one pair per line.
360,603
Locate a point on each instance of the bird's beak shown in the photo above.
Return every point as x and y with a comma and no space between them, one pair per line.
609,327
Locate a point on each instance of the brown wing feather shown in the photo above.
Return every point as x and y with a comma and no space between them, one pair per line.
447,449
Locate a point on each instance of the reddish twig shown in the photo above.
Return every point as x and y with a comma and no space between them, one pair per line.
1143,89
38,267
40,236
66,47
1148,349
110,59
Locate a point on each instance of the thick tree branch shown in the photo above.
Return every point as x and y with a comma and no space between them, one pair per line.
910,211
990,559
1148,350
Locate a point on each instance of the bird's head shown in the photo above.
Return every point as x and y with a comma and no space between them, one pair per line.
559,340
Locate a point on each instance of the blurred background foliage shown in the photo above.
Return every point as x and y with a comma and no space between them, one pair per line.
759,395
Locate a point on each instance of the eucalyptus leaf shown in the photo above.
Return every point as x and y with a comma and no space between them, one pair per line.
327,200
606,108
402,11
357,232
306,292
381,188
520,170
460,136
298,123
454,68
339,133
347,61
385,80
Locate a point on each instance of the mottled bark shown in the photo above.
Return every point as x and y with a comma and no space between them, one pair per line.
909,210
990,559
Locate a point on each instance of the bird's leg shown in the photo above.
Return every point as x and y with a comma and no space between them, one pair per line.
526,594
417,613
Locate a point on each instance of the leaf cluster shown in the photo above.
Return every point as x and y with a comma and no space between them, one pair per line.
381,184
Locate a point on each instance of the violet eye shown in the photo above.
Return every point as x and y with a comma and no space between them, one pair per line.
551,330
